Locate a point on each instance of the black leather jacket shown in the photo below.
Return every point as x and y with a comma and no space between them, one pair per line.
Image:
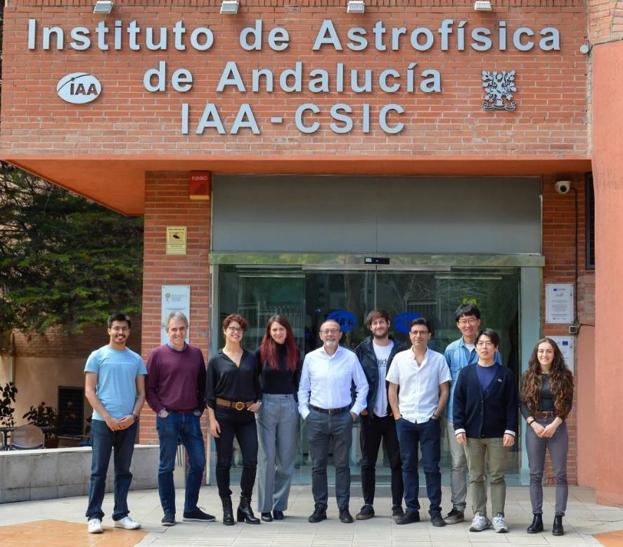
367,358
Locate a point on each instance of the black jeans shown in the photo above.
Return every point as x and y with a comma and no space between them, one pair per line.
373,430
241,425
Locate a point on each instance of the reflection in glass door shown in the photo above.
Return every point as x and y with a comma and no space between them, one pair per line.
308,296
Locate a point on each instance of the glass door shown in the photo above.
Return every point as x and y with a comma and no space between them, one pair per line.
308,296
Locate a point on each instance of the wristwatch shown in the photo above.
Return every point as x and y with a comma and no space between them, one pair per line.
136,417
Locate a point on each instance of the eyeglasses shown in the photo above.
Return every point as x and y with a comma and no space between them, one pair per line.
485,344
466,322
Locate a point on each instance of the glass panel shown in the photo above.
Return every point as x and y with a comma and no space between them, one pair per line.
306,298
436,295
258,294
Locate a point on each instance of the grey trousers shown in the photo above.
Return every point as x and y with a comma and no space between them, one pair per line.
458,477
277,426
482,455
558,446
324,431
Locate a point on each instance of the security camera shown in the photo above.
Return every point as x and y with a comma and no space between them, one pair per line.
563,186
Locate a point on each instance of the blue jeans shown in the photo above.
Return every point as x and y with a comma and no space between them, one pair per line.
427,435
104,440
181,427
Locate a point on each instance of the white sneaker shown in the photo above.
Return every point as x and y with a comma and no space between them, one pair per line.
127,523
95,526
499,524
479,523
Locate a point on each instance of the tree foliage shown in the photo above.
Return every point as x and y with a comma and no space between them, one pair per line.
64,260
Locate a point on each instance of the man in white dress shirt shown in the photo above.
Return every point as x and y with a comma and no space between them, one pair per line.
423,378
325,403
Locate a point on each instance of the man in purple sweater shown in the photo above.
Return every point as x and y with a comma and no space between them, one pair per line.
176,378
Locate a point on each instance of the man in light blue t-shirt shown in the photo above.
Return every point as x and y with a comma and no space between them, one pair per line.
115,388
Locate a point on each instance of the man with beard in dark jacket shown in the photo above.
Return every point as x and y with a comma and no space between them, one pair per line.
375,354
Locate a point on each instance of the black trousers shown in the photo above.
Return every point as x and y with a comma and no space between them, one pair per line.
241,425
373,431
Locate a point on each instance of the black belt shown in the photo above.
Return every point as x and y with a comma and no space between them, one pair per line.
330,411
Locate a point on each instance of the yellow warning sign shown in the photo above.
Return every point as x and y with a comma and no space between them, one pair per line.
176,240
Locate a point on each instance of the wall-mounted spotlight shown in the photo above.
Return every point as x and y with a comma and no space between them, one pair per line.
102,7
355,6
483,5
229,7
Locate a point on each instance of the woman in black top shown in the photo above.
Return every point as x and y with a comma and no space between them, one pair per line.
547,397
278,418
233,396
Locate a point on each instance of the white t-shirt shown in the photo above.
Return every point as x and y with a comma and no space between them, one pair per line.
382,354
418,396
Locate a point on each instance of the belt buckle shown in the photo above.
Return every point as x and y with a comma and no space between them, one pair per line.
239,405
330,411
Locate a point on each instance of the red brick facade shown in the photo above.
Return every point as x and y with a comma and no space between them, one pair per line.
167,204
128,149
128,120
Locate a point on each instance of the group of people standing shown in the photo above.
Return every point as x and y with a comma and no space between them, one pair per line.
406,398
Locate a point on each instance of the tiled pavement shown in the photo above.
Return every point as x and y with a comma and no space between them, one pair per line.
586,523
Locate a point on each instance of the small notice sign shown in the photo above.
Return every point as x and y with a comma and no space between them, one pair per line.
176,240
559,303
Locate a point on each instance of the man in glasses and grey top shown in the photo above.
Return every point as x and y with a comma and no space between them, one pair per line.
375,354
418,393
459,354
325,403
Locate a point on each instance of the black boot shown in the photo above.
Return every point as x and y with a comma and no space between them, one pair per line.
557,529
245,513
537,524
228,512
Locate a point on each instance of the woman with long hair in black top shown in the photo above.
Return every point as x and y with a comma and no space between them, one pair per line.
233,397
547,397
278,418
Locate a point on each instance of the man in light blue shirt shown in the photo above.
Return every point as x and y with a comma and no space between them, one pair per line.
115,389
459,354
325,403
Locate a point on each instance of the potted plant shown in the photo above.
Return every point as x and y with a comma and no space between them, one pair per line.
46,418
7,399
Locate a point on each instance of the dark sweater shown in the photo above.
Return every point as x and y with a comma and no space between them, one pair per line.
488,413
279,380
175,379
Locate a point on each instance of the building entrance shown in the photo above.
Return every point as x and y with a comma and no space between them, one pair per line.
308,294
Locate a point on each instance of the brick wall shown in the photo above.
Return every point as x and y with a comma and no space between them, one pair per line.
128,120
167,204
561,253
605,20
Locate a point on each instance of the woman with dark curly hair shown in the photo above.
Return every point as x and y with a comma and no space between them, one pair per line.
233,396
278,419
547,398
